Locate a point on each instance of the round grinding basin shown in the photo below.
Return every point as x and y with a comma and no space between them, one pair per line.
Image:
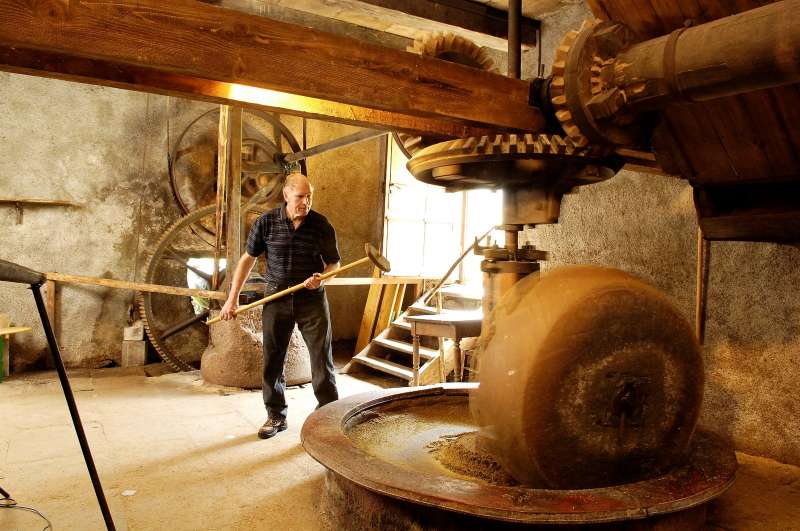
412,458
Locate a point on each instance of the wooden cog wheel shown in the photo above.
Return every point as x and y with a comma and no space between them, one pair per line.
451,48
558,94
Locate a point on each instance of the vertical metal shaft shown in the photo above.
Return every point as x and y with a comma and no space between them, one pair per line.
514,43
73,408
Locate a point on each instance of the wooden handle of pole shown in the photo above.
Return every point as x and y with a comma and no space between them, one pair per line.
296,287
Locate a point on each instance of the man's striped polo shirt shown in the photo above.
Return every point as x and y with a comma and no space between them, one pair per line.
293,255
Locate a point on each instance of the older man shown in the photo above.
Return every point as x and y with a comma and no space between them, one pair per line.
300,245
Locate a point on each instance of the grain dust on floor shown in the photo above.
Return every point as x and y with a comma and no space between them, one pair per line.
175,453
171,452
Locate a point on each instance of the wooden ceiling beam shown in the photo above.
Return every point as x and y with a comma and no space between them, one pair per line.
472,16
200,51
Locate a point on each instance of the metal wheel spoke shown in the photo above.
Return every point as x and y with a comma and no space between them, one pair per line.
182,325
182,259
194,231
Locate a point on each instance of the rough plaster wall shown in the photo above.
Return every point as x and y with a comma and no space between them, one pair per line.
554,26
106,149
101,148
646,224
349,191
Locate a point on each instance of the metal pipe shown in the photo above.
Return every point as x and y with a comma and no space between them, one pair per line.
11,272
514,43
333,144
749,51
73,408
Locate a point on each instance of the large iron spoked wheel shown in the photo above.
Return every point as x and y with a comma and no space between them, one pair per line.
174,324
193,160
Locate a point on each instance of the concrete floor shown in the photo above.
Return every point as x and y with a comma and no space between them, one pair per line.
173,452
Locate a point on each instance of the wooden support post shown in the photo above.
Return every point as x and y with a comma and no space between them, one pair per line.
398,302
388,301
365,331
222,188
442,375
233,209
459,359
415,359
700,284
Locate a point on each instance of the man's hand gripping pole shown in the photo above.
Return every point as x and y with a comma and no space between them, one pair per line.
372,256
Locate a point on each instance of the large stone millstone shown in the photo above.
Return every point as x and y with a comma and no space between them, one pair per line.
234,356
589,378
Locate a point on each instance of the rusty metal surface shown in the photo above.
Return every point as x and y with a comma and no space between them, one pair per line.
324,436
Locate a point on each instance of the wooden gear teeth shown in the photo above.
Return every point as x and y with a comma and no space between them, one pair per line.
447,47
558,95
441,164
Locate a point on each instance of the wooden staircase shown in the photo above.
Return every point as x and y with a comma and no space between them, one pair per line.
391,351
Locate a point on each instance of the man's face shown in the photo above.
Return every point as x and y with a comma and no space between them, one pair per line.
298,200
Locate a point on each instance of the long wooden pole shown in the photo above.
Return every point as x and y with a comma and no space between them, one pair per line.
136,286
296,287
455,264
217,295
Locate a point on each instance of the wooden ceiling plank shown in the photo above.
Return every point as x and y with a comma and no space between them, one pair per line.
787,103
638,15
463,14
598,8
690,10
771,133
210,45
741,140
670,14
671,155
703,148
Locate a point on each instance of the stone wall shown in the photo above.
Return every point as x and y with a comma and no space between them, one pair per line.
104,149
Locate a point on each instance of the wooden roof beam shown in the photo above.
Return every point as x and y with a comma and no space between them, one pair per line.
465,14
200,51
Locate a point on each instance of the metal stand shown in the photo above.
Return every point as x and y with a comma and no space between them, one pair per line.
14,273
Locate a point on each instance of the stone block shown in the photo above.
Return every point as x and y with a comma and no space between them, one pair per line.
135,332
134,353
234,355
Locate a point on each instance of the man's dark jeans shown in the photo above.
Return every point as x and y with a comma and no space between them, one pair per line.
309,309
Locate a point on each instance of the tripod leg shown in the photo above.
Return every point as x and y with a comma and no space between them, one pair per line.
73,408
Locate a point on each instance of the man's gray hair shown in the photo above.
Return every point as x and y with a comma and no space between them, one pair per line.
293,178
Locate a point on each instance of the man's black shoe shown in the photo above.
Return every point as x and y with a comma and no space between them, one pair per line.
271,428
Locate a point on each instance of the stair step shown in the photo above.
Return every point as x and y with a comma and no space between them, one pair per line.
407,348
402,324
419,309
395,369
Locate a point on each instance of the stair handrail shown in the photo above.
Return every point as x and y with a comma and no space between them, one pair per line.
454,266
